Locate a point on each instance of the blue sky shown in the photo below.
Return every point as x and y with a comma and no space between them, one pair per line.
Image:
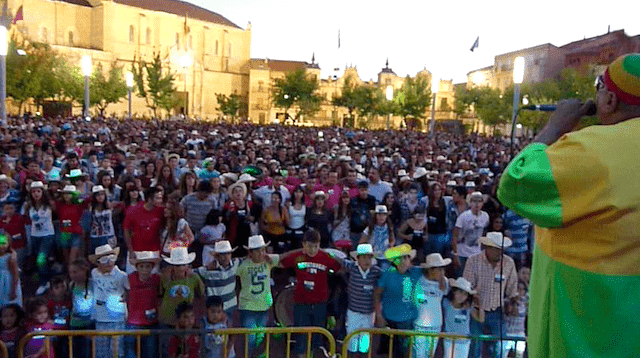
416,34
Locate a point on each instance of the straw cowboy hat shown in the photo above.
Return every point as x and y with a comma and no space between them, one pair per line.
463,284
103,250
494,239
435,260
69,189
246,178
237,185
97,189
399,251
145,256
37,185
223,247
179,256
419,173
381,209
363,249
10,181
256,242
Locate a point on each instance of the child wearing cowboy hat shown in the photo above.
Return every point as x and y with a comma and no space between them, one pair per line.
430,290
363,277
178,284
110,285
70,211
219,276
255,297
461,304
142,304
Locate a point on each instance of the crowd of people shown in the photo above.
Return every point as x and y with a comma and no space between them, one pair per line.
110,225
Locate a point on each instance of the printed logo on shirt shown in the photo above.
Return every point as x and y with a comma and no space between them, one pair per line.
460,318
180,291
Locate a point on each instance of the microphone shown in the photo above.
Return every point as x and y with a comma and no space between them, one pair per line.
552,107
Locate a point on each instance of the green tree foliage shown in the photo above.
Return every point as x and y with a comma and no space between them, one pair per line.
107,90
347,99
413,99
297,92
230,105
154,83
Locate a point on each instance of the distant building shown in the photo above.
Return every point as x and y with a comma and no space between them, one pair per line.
599,50
123,30
540,63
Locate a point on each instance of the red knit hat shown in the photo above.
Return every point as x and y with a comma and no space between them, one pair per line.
622,77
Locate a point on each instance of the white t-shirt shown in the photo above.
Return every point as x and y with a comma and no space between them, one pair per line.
471,228
41,222
109,292
429,300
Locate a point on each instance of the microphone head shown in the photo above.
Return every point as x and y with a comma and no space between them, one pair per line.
591,108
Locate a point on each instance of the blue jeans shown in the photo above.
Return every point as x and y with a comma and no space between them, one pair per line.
254,319
148,344
400,344
82,344
306,315
41,247
490,326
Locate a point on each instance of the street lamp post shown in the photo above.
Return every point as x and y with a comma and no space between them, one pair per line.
3,75
389,98
185,61
518,77
86,71
129,86
435,83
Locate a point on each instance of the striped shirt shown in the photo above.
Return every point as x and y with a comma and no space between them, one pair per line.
195,210
360,287
520,229
221,282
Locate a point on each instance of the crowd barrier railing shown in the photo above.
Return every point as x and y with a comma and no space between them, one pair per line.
4,351
268,332
432,337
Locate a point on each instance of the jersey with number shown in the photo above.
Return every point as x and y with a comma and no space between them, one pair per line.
255,278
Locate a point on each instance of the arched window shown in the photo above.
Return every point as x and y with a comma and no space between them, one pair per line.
131,34
71,38
148,37
44,35
216,48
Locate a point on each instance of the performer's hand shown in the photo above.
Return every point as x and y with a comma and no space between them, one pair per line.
456,261
565,118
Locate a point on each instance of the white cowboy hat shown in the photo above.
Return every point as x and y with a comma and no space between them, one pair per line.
362,249
36,185
256,242
238,185
96,189
463,284
319,193
469,173
419,173
475,194
405,178
452,183
145,256
179,256
381,209
402,173
441,158
470,184
103,250
495,239
246,178
69,189
232,177
435,260
75,173
223,247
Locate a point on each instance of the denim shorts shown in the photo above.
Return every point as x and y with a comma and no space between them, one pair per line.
68,240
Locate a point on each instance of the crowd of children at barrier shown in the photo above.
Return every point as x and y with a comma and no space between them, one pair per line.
111,225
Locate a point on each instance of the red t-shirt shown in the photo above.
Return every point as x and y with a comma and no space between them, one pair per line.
143,300
69,215
59,312
145,226
311,276
14,226
187,344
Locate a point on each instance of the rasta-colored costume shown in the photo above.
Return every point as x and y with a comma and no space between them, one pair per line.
583,193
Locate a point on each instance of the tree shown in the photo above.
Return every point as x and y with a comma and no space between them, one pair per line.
492,107
347,99
413,99
154,83
107,90
297,91
229,105
464,99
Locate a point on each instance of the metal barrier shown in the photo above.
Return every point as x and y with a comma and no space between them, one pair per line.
412,334
4,350
268,331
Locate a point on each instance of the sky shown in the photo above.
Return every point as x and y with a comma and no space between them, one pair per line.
416,34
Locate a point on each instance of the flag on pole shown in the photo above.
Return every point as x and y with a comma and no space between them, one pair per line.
18,16
475,44
338,38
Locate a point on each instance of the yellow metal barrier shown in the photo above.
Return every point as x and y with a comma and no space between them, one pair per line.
268,331
412,334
